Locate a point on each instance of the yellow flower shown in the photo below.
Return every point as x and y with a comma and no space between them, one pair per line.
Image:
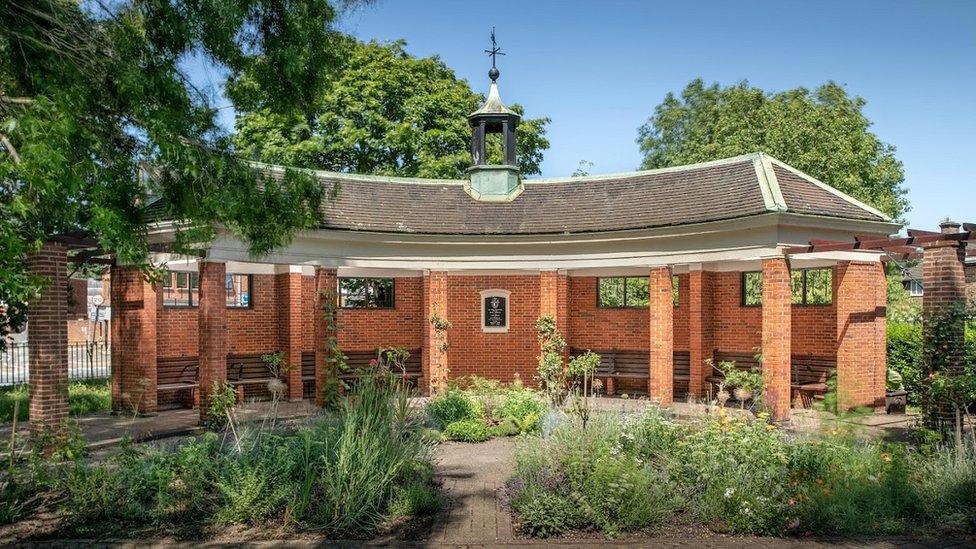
886,457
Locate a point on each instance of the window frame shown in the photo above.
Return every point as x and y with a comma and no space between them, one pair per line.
912,284
191,279
391,306
599,303
742,289
804,277
250,291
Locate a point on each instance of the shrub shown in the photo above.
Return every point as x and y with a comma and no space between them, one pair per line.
588,481
544,514
525,407
468,430
452,406
905,353
344,473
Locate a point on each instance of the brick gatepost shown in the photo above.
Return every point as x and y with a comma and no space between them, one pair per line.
944,281
553,300
700,331
776,343
212,331
660,385
47,339
860,318
435,367
134,310
288,289
326,303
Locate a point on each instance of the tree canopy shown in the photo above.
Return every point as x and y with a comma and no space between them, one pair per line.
383,112
92,91
822,132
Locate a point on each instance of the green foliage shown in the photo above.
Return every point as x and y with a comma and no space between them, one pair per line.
220,402
552,371
84,397
382,111
902,308
452,406
468,430
743,476
579,479
92,92
523,408
905,355
749,380
344,473
822,132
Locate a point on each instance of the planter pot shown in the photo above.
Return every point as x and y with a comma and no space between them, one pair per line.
895,401
742,395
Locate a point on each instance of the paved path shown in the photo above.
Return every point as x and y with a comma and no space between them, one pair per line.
472,476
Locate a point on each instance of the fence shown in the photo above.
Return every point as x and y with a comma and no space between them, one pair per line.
85,361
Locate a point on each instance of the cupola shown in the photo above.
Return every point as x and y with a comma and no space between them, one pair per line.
494,182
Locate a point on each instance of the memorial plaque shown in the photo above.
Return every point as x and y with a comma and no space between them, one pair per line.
495,312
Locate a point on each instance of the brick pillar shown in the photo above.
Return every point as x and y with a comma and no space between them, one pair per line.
435,366
553,299
660,385
324,321
212,331
134,309
860,379
700,339
944,281
288,289
776,349
47,339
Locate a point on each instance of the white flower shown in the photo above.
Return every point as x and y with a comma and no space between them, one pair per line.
729,492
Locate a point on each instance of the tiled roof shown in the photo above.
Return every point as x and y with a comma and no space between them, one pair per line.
712,191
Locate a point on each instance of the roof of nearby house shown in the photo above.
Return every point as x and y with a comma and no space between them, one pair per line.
737,187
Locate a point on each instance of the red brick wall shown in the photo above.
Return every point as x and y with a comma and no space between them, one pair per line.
401,326
859,320
776,340
593,327
494,355
134,331
249,331
48,339
736,328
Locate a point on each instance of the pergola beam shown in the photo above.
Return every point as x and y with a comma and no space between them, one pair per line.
915,238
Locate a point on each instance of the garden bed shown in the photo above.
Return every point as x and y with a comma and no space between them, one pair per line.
645,473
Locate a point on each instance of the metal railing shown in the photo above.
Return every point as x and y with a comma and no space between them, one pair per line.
85,361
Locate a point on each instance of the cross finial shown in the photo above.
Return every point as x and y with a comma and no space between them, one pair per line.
493,52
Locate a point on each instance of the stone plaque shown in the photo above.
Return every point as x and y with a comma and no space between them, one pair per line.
495,311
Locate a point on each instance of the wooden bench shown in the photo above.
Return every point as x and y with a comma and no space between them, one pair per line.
743,361
809,375
358,362
174,378
308,374
248,374
626,364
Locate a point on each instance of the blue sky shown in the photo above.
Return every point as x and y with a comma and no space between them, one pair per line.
597,69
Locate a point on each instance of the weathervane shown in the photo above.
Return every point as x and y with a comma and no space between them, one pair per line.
494,51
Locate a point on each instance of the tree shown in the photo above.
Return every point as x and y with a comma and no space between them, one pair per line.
90,92
382,112
821,132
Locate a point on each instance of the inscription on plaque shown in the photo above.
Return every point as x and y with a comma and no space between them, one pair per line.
495,312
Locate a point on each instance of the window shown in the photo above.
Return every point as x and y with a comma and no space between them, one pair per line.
675,291
180,289
366,293
620,291
239,291
752,289
914,288
812,286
